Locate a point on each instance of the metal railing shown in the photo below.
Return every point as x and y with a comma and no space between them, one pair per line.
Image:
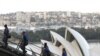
33,53
18,47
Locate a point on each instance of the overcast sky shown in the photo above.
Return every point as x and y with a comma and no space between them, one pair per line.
7,6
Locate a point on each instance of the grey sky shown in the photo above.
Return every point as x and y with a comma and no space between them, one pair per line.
7,6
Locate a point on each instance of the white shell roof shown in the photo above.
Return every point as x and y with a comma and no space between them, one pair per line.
67,45
78,37
81,41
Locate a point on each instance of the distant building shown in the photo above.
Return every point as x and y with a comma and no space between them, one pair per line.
23,17
23,21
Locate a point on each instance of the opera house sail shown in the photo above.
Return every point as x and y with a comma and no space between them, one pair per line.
73,42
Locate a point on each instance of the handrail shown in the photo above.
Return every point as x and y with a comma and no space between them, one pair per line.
26,48
31,49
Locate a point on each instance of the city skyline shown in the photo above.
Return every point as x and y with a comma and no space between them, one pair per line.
84,6
38,19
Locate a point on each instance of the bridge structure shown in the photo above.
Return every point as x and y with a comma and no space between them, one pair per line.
73,42
14,51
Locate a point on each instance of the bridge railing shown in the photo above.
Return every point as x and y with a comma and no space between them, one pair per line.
18,47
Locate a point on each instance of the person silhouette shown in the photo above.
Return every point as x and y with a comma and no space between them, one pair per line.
64,52
6,35
24,42
45,50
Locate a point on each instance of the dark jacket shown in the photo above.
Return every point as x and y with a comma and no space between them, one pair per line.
64,53
47,51
25,39
6,32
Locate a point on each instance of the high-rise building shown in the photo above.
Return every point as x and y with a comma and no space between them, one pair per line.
45,15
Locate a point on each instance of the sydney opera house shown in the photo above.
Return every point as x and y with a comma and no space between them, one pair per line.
73,42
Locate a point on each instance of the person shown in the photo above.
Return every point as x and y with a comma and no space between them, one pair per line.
6,35
45,50
64,52
24,42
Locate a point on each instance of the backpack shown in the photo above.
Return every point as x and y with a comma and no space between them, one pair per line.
9,36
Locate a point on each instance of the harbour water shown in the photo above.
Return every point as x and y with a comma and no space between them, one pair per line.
94,49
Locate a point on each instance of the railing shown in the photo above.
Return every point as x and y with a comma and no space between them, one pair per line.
33,53
18,47
53,54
